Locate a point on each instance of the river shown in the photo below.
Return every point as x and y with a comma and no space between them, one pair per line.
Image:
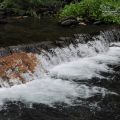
78,77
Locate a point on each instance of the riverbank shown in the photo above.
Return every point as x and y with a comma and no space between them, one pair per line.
68,12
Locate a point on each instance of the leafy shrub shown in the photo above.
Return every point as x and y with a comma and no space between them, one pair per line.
110,11
83,8
72,9
104,10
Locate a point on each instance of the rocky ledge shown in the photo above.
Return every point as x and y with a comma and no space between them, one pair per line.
14,66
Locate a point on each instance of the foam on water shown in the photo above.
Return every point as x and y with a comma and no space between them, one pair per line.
47,90
53,81
88,67
72,52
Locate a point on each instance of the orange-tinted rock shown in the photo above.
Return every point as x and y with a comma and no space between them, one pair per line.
15,64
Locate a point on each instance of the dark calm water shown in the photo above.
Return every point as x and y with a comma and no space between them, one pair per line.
100,105
30,30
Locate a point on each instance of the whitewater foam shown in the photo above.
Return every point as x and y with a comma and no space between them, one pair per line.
47,90
53,80
88,67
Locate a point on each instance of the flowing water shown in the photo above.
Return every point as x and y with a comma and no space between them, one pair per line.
77,79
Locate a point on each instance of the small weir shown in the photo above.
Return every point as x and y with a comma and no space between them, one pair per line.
80,58
69,72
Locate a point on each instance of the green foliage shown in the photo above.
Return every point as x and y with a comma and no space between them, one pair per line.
72,9
110,11
83,8
104,10
27,6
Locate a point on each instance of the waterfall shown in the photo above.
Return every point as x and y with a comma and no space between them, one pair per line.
80,58
80,47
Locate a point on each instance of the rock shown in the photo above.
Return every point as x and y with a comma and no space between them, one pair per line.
19,17
80,19
13,66
89,20
114,45
82,23
69,21
97,23
4,51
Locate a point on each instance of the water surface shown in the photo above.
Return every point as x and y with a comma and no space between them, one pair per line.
78,81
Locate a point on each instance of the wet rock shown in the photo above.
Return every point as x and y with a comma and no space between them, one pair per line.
4,51
69,21
97,23
82,23
13,66
114,45
19,17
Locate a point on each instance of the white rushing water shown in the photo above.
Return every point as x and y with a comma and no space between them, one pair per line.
88,67
53,79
